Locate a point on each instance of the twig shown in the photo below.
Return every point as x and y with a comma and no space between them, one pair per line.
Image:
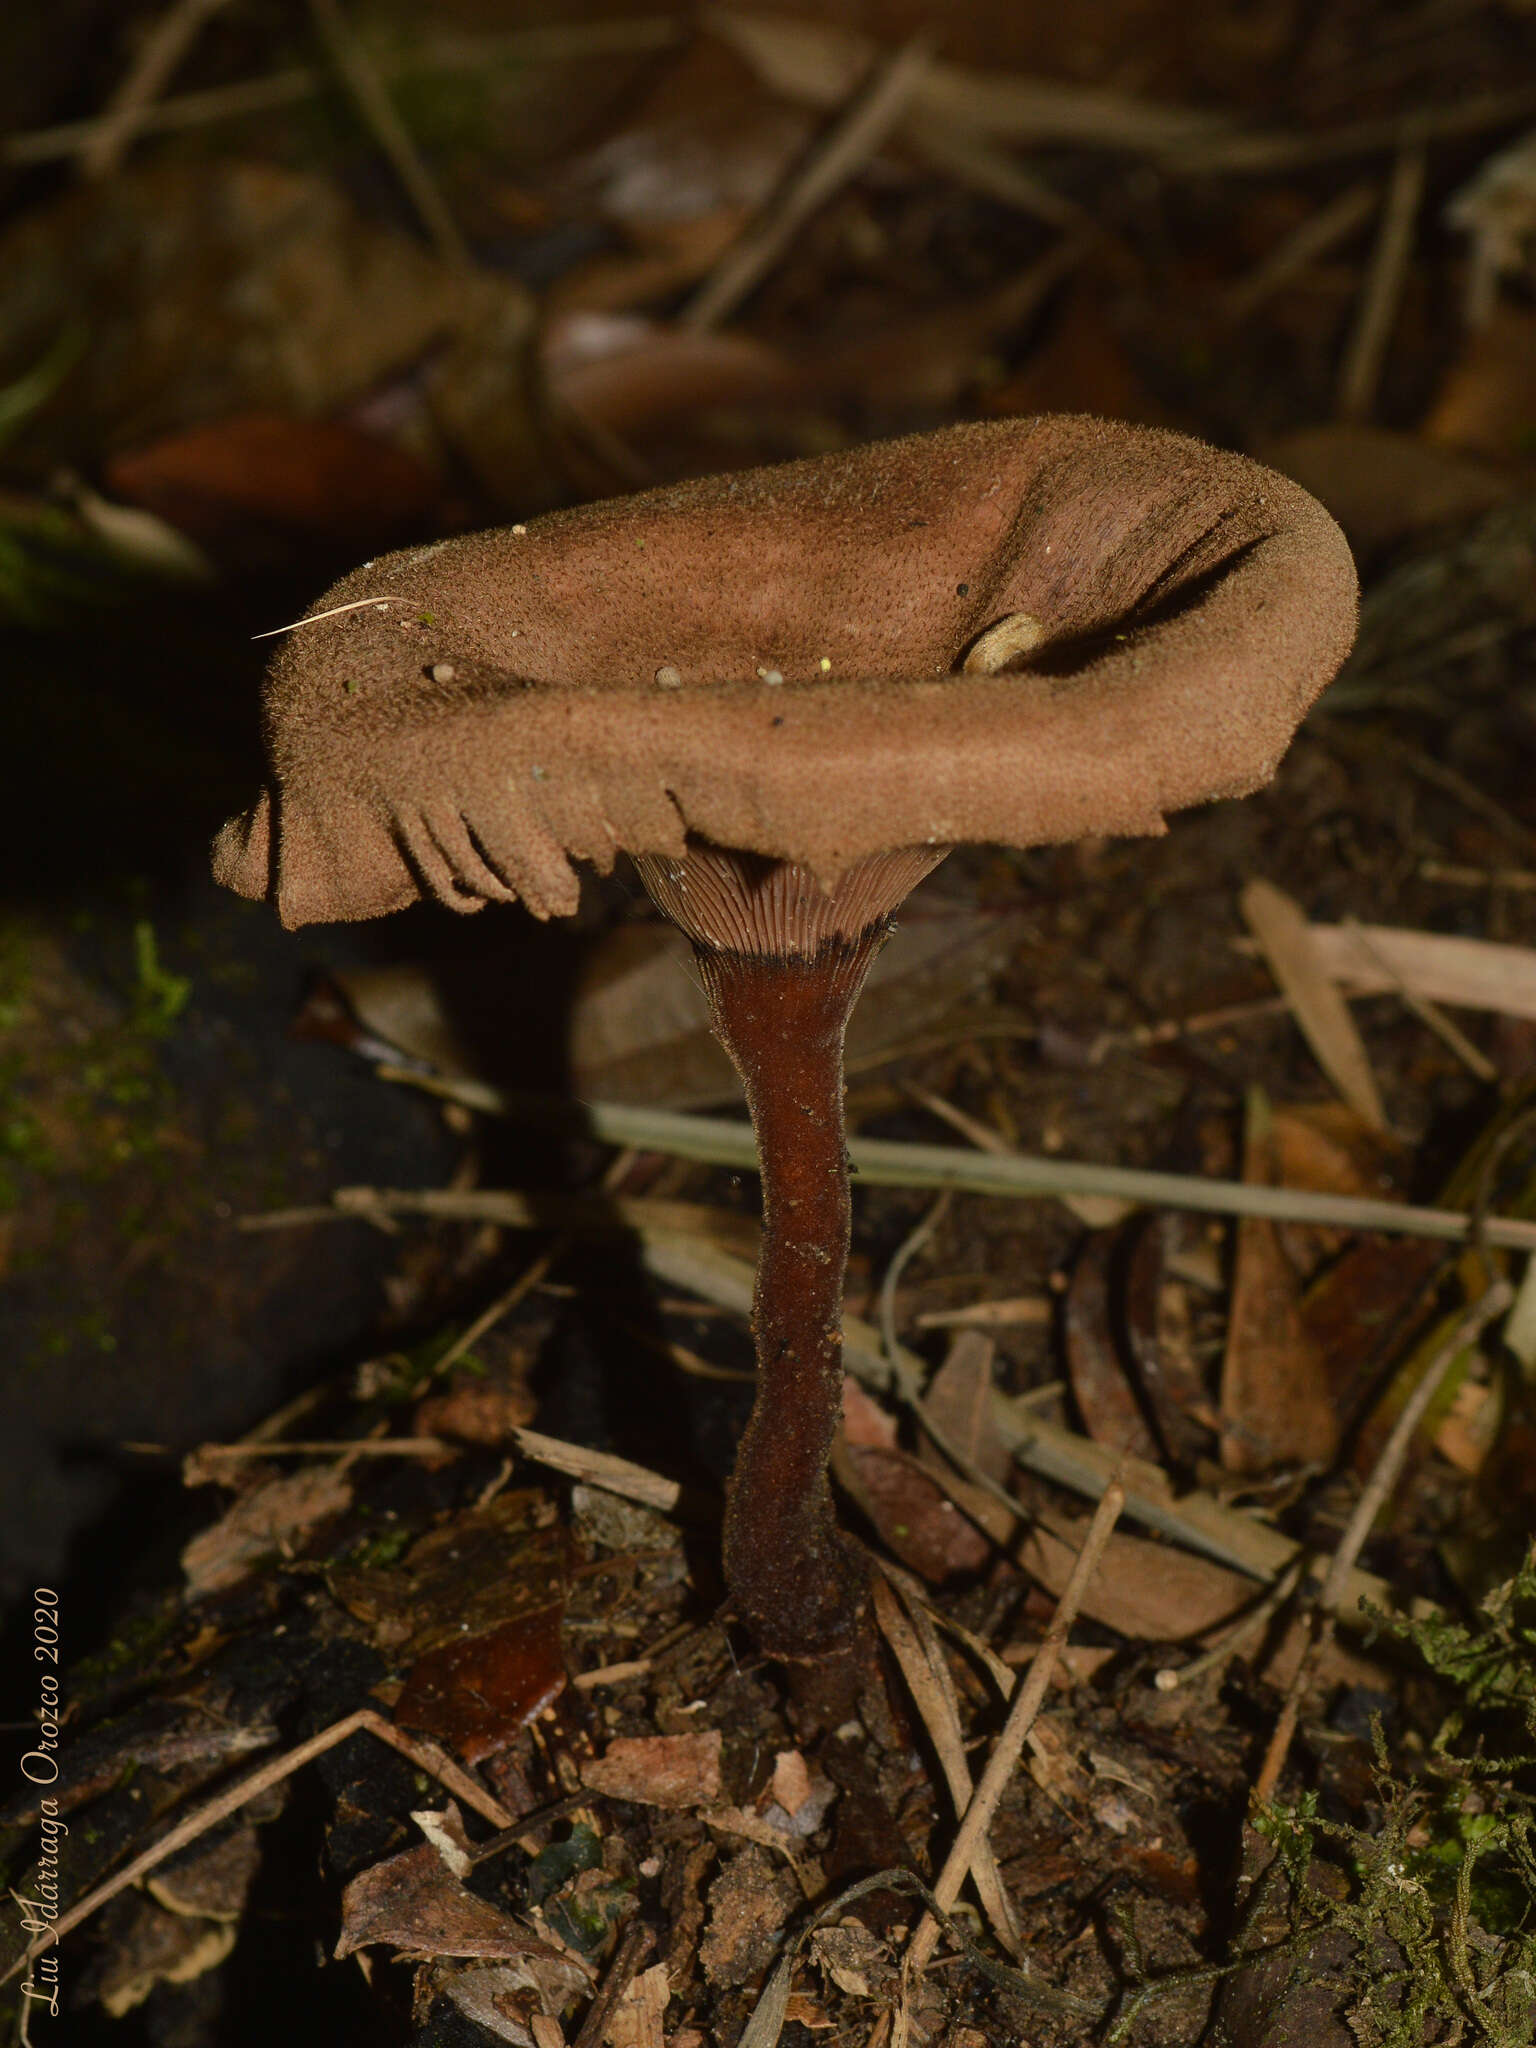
370,95
425,1754
1261,154
1243,1630
601,1469
1361,371
1477,878
329,1447
123,117
1373,1497
1311,239
841,154
1168,1029
502,1306
631,1952
1429,1014
552,45
971,159
1022,1710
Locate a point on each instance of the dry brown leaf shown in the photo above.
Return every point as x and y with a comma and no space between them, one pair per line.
635,2021
1383,486
958,1401
1286,941
914,1516
1277,1403
273,1518
658,1770
1147,1591
259,474
411,1902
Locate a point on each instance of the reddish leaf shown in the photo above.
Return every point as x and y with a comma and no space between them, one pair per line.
477,1693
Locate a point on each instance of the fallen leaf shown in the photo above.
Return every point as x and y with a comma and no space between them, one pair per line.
1383,486
958,1401
476,1692
412,1902
272,1519
1096,1365
1287,942
1147,1591
658,1770
911,1512
1278,1406
635,2021
235,482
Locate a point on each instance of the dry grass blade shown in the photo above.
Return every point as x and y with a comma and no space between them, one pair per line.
1360,373
1022,1711
916,1649
1373,1499
1439,967
840,155
882,1163
1285,938
425,1754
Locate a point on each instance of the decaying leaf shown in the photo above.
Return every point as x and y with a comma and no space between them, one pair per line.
413,1903
213,1880
749,1905
1278,1405
151,1946
1147,1591
659,1770
477,1692
272,1519
636,2019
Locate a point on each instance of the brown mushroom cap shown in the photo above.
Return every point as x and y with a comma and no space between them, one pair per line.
776,662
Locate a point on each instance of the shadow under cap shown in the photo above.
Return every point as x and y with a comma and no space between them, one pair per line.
494,710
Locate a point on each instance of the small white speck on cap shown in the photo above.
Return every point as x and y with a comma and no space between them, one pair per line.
770,675
669,677
443,671
825,664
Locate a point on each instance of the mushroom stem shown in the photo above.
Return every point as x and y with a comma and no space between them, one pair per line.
798,1583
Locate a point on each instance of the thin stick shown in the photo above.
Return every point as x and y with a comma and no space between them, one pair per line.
158,56
841,154
552,45
1361,372
503,1305
317,1447
1373,1498
370,95
1022,1712
426,1755
628,1957
1477,878
1261,154
1310,240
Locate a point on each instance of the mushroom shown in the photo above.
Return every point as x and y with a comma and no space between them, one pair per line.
786,694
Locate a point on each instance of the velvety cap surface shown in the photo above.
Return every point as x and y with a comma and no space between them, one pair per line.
776,661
